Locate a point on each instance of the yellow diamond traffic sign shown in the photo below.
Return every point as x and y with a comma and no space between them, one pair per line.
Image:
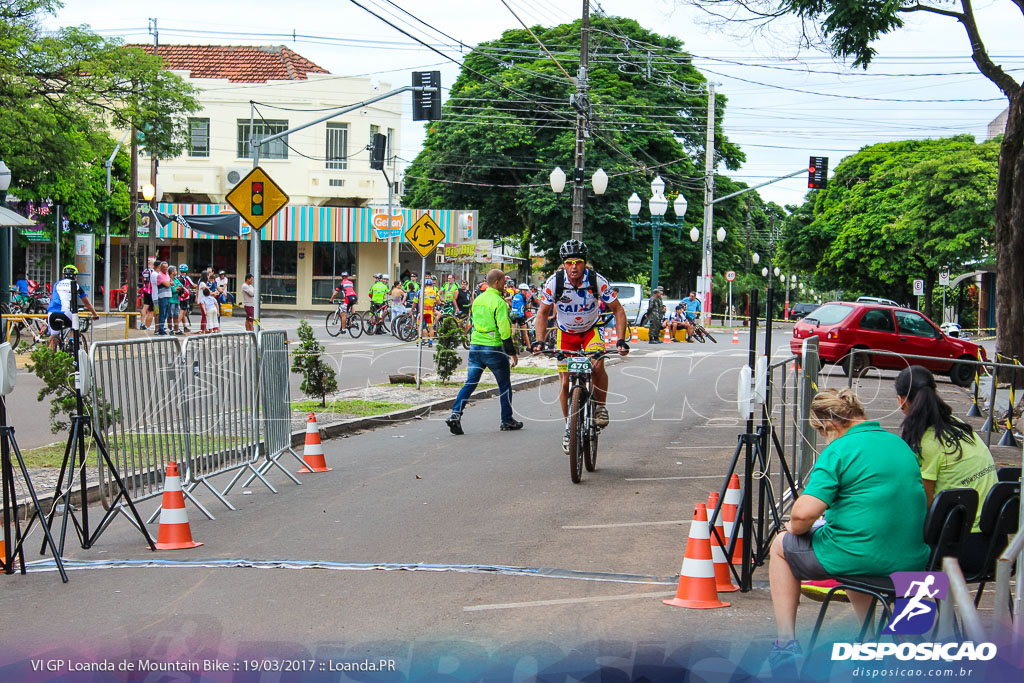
424,235
257,198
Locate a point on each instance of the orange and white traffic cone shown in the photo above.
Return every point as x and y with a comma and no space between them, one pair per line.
635,338
697,577
174,533
730,516
723,577
736,337
313,451
668,336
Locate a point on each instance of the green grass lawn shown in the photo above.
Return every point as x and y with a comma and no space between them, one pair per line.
534,371
48,456
352,406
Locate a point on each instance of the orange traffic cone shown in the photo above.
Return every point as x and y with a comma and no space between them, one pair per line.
730,515
723,578
635,338
174,533
697,577
313,451
668,336
735,336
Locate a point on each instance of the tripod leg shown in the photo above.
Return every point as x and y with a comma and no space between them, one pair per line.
102,448
38,513
57,495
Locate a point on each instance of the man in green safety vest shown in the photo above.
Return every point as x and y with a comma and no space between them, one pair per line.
378,292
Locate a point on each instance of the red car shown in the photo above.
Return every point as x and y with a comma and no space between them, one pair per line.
841,326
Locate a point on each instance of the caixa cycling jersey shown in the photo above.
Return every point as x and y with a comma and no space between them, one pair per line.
577,308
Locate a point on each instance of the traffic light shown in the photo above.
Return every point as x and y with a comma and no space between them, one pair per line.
257,199
817,173
378,147
426,106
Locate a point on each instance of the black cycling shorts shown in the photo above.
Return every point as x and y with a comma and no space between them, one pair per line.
58,321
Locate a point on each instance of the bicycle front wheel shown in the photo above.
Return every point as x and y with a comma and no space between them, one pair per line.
708,335
368,324
576,434
123,304
14,337
355,325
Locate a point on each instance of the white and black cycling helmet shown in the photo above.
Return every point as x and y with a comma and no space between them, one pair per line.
572,249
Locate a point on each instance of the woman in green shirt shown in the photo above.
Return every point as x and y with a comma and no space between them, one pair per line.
950,454
867,485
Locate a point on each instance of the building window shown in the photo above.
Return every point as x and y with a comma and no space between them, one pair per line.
391,155
199,137
278,265
277,149
337,145
330,260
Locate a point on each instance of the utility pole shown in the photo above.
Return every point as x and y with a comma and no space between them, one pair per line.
153,163
581,102
132,267
709,193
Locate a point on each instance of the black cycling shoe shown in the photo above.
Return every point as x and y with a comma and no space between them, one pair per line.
455,425
511,426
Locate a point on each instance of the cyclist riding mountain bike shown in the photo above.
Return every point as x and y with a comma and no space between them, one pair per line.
572,295
59,312
348,290
449,294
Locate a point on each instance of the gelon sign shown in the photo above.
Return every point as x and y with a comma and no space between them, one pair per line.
381,228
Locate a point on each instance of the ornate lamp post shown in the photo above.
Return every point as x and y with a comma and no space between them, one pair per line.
657,205
599,181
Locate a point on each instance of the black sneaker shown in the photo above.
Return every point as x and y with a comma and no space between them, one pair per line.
511,426
455,425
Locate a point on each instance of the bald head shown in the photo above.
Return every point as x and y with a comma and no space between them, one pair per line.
495,278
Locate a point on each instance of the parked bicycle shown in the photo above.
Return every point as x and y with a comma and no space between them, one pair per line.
583,429
700,333
354,322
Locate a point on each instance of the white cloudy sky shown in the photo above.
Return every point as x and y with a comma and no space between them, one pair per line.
777,126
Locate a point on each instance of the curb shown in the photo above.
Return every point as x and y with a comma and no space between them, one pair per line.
336,429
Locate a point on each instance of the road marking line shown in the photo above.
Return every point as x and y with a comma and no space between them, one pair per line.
568,601
625,524
696,476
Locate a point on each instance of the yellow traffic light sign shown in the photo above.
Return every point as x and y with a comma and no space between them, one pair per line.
424,235
257,198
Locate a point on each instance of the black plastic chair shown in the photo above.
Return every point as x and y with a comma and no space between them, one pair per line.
946,527
999,517
1008,474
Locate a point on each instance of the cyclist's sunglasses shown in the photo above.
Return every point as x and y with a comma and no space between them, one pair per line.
574,261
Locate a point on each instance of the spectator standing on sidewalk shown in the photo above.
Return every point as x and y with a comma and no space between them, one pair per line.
173,323
185,297
249,302
490,348
162,290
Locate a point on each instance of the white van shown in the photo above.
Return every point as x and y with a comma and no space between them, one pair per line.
631,294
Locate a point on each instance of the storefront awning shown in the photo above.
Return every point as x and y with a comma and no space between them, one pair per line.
223,224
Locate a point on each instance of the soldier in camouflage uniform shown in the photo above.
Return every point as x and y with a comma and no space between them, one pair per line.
655,312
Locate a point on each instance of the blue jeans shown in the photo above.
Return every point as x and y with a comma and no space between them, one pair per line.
494,359
164,306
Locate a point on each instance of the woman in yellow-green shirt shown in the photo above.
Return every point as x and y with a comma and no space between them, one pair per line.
950,453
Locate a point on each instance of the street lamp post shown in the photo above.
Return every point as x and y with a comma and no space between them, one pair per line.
657,205
599,181
704,286
5,239
792,278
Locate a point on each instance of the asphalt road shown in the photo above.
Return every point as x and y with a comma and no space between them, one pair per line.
457,557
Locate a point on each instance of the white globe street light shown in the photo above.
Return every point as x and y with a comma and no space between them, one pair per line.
777,271
720,234
599,181
694,234
764,272
756,258
634,204
557,180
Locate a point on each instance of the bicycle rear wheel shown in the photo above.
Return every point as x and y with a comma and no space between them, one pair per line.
697,334
707,334
355,325
369,326
590,454
577,434
14,337
406,327
334,323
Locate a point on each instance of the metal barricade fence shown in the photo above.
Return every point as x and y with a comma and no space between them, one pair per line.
139,402
275,400
223,407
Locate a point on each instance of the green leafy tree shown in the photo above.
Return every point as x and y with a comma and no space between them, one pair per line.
848,29
446,358
508,123
895,212
61,93
318,378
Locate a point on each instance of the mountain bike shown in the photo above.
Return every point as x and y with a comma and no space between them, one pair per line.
376,321
354,323
583,430
700,332
464,323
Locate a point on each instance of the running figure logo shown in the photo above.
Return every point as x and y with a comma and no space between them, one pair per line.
914,613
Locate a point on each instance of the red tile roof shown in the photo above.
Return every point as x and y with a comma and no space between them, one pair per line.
237,63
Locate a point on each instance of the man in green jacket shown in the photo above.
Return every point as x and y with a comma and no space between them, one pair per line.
490,347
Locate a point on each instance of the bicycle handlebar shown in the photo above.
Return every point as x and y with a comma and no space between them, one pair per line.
562,355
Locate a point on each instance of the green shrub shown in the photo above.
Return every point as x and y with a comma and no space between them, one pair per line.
318,378
446,359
